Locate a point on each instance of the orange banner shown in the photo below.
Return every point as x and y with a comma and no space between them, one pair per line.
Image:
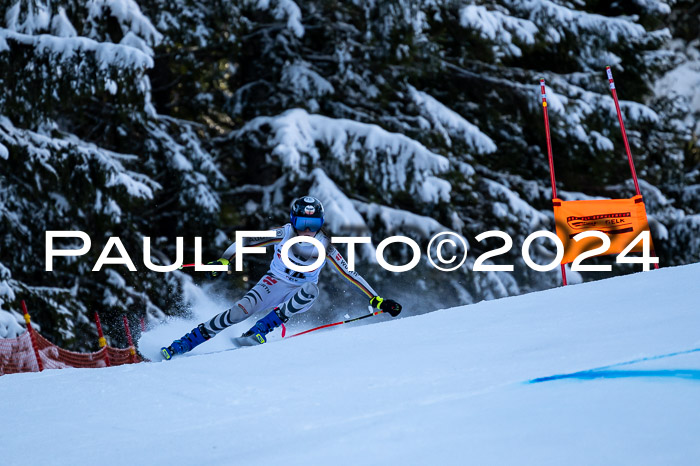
621,219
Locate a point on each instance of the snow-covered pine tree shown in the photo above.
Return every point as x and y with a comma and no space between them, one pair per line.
83,148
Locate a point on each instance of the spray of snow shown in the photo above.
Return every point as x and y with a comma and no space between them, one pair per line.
203,306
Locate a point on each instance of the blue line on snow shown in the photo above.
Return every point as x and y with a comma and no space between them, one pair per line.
604,372
691,374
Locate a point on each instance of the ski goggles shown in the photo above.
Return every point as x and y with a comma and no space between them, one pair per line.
310,223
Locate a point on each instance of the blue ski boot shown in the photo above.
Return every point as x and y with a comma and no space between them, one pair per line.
191,339
264,326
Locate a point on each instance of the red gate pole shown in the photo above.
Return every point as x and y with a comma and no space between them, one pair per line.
551,160
102,340
622,128
32,337
143,325
624,138
132,350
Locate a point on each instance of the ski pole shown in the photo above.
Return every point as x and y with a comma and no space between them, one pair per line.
194,265
335,323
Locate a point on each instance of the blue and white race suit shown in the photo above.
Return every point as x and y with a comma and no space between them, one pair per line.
293,292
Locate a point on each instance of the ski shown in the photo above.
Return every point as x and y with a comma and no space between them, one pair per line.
250,340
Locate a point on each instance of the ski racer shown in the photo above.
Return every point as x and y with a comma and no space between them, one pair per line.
283,291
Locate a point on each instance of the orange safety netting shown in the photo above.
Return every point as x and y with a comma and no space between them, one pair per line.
621,219
17,355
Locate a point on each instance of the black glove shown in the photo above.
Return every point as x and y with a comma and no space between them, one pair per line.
220,261
386,305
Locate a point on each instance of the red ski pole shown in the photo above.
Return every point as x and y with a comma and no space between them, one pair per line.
189,265
336,323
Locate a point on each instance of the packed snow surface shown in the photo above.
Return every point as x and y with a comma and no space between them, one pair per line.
597,373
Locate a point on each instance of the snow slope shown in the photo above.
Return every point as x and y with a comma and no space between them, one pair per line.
618,360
